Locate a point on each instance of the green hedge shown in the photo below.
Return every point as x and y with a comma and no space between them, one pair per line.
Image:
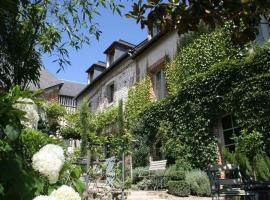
175,175
199,182
178,188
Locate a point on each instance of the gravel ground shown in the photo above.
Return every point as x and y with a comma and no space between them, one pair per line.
159,195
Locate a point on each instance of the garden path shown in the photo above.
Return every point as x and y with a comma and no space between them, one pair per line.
159,195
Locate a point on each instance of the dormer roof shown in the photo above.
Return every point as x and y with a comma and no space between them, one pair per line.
120,43
100,64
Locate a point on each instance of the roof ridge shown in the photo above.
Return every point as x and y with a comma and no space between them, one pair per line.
73,81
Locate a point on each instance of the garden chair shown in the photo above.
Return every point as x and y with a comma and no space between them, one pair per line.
110,173
157,166
227,187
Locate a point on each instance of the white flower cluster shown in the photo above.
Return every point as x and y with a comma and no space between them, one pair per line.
63,193
49,161
42,197
31,112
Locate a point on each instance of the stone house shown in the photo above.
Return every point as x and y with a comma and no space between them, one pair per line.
55,90
125,65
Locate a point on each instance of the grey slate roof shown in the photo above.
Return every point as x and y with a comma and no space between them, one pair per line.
47,80
99,64
121,43
70,88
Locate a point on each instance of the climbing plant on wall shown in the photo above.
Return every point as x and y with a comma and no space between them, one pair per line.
197,52
138,98
238,86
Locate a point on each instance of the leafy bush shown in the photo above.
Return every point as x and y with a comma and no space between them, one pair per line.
32,140
198,182
139,173
175,175
179,188
250,153
145,184
72,128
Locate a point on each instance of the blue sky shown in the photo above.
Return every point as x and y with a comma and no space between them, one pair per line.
113,27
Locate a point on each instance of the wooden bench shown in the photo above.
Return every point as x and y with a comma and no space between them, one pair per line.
230,186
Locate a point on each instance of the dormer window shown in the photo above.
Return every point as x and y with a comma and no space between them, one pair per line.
110,92
116,50
95,70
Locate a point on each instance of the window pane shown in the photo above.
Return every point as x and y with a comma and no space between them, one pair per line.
228,137
226,122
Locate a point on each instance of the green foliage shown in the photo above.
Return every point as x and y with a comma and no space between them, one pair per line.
31,141
139,173
250,154
199,182
198,54
72,128
102,120
85,127
175,175
140,152
54,113
181,16
9,115
27,31
179,188
145,184
138,99
250,144
238,86
17,146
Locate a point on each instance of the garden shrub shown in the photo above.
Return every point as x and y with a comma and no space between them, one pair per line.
139,173
72,128
32,140
251,154
179,188
145,184
198,182
175,175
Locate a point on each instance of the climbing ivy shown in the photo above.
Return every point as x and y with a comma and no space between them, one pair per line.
138,99
197,52
184,122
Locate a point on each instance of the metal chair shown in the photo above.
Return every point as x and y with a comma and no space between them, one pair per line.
227,187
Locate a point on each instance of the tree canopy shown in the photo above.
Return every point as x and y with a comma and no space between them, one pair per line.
29,28
186,15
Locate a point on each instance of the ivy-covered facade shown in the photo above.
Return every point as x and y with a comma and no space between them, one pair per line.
183,103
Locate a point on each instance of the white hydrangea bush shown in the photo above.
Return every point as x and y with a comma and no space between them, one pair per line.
49,161
42,197
31,112
65,193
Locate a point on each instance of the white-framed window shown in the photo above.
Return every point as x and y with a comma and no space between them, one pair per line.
160,84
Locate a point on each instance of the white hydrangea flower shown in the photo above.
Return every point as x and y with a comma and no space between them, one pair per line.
49,161
31,112
42,197
65,193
